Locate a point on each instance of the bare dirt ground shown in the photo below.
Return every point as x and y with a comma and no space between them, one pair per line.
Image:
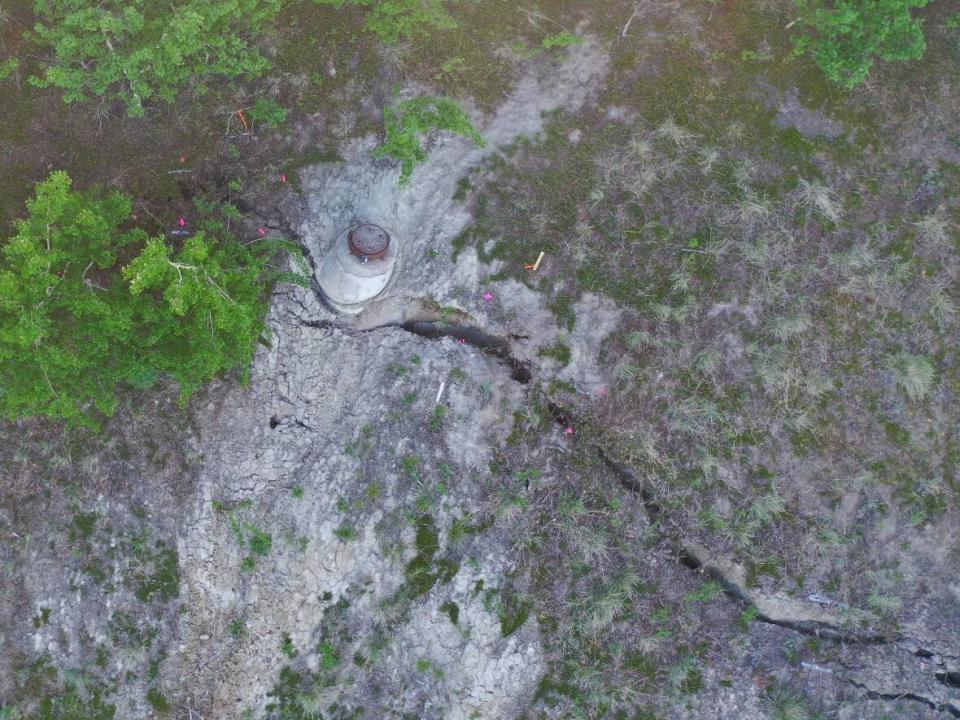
701,463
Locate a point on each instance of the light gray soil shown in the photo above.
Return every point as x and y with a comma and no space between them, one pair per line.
335,449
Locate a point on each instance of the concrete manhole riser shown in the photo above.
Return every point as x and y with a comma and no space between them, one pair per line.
358,266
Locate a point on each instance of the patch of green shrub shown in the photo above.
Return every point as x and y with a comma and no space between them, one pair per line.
45,693
287,647
559,351
914,374
8,67
247,533
268,112
513,611
561,40
159,573
452,610
158,700
88,305
844,36
135,51
408,121
395,20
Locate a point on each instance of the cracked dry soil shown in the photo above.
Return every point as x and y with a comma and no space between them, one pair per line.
338,443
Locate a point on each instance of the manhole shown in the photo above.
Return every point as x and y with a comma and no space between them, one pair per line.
358,265
369,242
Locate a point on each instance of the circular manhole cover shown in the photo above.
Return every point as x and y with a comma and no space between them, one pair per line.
369,242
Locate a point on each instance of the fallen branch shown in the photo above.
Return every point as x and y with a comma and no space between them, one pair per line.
626,28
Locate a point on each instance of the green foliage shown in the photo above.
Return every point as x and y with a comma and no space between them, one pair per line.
8,67
158,700
513,612
88,306
47,696
411,119
58,325
346,533
246,532
42,617
425,570
157,573
260,542
411,466
304,694
139,50
437,417
747,617
785,704
452,610
561,40
846,35
914,374
559,351
393,20
706,592
287,647
268,112
212,291
83,525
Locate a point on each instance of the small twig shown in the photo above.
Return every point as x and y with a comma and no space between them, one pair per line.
626,28
90,283
535,266
146,209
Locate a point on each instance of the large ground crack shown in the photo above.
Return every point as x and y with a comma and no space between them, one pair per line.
422,319
776,609
951,708
819,619
497,346
782,610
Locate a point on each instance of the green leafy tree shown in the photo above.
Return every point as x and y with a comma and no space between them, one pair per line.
844,36
408,121
88,305
141,50
395,20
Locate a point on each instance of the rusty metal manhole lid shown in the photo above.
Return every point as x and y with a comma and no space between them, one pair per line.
369,242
